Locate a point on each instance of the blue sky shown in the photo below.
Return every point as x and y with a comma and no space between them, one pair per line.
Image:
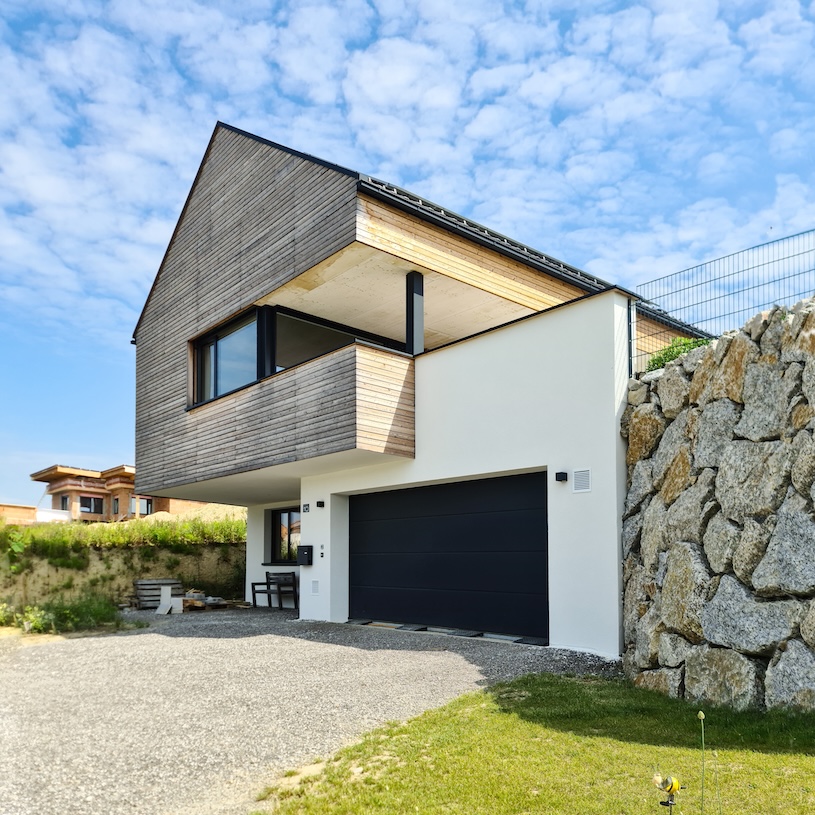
630,139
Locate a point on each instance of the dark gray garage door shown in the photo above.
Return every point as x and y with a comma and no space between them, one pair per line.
470,555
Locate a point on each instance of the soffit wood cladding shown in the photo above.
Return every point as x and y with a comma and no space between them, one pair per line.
419,242
365,288
467,287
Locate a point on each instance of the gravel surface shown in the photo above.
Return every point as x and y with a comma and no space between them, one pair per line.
197,713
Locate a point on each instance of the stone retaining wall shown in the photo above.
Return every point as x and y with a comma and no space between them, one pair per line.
718,532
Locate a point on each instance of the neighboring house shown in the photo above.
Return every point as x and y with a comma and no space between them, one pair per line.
19,514
431,406
93,495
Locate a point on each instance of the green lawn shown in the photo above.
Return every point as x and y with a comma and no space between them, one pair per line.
571,746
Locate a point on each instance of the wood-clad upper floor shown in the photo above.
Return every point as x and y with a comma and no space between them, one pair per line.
264,225
356,398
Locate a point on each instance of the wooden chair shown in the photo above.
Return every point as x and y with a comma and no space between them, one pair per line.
279,583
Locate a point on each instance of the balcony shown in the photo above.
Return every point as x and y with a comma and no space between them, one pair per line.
348,408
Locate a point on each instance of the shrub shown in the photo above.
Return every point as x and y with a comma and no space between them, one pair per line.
6,614
678,346
88,611
66,545
35,619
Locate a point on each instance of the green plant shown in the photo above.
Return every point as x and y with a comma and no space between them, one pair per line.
35,620
147,554
6,614
21,565
13,546
678,346
184,536
14,541
86,612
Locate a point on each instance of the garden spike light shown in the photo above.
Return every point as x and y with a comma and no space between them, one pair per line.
670,786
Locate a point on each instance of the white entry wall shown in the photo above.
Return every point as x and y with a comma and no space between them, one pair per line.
545,393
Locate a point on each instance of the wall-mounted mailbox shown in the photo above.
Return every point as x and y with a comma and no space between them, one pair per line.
305,555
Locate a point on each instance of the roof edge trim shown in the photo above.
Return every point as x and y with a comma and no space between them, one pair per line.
441,216
291,151
175,229
219,125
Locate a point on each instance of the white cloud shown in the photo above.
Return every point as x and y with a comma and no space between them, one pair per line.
791,144
487,83
780,41
663,127
518,39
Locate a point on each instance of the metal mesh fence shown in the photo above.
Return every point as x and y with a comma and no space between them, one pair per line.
723,294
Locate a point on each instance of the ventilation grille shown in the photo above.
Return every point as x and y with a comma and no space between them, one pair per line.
582,481
315,586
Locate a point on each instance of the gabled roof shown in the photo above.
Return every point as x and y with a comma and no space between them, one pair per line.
439,216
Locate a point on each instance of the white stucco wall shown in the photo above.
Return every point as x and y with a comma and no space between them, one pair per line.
544,393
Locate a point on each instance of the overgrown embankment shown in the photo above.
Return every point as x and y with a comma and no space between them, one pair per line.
42,561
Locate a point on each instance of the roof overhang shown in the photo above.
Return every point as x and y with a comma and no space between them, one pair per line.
58,471
270,485
364,287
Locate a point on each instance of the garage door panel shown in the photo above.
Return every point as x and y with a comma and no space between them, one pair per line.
476,611
476,572
463,497
469,555
498,531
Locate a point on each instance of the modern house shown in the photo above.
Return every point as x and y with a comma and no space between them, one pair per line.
79,494
433,407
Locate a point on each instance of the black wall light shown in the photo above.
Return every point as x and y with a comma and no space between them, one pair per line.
561,476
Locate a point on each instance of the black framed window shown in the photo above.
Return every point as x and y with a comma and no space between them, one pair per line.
298,340
145,506
266,341
115,506
64,502
227,359
282,535
90,504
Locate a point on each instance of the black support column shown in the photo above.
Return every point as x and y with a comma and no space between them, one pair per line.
414,337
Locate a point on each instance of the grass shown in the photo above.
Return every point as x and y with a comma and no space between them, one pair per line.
71,540
88,612
571,746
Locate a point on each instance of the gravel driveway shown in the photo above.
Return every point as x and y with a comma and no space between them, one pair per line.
194,715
